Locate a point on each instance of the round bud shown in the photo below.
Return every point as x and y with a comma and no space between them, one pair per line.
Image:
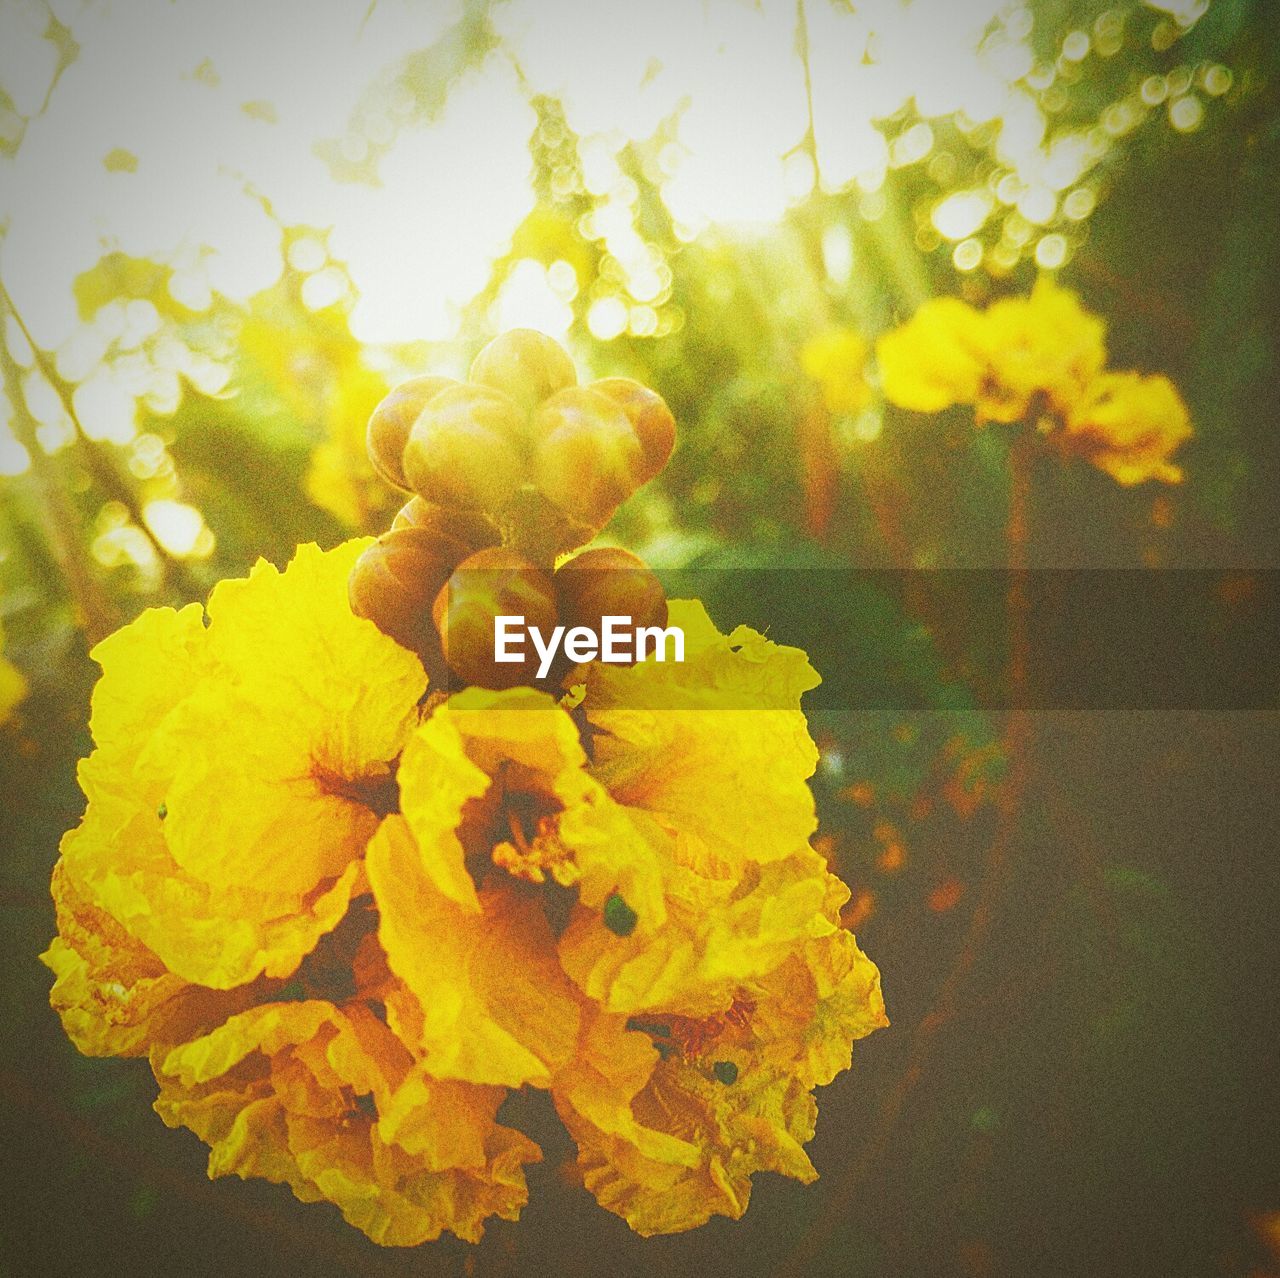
391,422
462,449
526,365
492,583
649,416
608,582
394,581
469,527
587,459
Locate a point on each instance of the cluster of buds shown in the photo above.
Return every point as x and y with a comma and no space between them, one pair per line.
511,470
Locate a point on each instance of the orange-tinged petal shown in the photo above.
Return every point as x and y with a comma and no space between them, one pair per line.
812,1009
216,936
760,1122
300,1092
116,997
720,933
1129,426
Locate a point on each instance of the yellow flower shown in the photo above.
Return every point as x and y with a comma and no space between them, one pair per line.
715,748
670,1134
342,929
938,358
1129,426
1045,346
340,478
115,997
327,1100
1040,361
235,766
13,687
836,360
689,811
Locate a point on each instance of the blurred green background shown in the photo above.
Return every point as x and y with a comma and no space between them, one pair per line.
226,231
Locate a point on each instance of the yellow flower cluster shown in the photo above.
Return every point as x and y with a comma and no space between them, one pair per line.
345,920
1038,360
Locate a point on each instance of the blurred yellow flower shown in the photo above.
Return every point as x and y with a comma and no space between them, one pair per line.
342,927
938,358
1045,348
1129,425
315,373
836,359
1039,361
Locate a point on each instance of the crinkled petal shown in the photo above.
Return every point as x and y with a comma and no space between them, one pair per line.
496,1007
148,667
721,932
715,748
289,747
276,1093
760,1122
811,1010
238,769
115,997
215,936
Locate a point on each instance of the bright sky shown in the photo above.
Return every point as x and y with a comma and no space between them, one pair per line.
220,104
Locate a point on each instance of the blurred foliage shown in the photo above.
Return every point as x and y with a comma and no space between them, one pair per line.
1107,1084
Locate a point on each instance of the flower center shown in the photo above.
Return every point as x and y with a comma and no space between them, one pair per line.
695,1038
525,857
378,791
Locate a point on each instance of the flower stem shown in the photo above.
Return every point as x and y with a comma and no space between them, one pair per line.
94,613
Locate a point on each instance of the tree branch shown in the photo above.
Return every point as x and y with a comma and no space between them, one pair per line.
99,463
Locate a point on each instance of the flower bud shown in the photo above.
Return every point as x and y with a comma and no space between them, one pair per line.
649,416
394,581
608,582
526,365
587,459
492,583
469,527
462,449
391,422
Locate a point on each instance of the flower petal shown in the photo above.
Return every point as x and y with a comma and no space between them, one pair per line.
715,748
496,1008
